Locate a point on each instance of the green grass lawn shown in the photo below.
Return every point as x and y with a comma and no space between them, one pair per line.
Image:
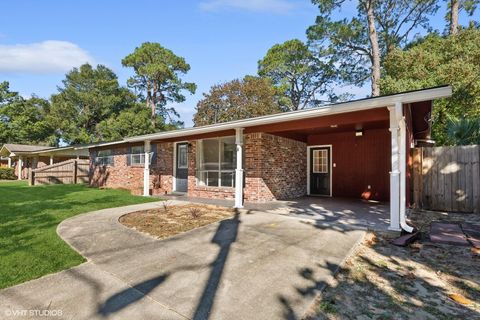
29,244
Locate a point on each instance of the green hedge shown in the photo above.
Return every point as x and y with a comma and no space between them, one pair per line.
7,174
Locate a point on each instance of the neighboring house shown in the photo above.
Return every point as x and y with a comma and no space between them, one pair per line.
23,157
357,149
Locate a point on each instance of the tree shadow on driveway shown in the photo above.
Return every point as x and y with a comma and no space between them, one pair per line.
225,235
130,295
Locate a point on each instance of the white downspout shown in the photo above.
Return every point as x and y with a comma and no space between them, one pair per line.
403,174
398,175
394,173
239,169
51,160
146,170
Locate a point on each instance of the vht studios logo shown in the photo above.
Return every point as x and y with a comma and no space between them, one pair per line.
33,313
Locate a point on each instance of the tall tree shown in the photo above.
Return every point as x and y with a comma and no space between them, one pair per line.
157,77
129,122
297,73
89,95
437,60
7,96
237,99
357,45
454,8
454,11
26,121
368,7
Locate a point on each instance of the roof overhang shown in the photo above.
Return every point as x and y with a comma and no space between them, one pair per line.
345,107
63,151
4,152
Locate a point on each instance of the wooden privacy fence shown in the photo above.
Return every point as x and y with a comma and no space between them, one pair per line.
69,171
447,178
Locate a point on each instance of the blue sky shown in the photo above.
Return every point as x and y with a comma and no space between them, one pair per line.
220,39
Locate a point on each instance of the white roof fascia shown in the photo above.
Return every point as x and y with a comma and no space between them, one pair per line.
345,107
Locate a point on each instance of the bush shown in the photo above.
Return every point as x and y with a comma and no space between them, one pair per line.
7,174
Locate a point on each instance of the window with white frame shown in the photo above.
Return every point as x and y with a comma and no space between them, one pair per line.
320,161
137,155
104,158
216,162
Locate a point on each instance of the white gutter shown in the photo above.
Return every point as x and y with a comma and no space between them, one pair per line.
100,144
357,105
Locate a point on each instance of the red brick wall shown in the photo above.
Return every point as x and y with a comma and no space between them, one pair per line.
161,174
275,168
269,170
120,175
360,162
124,176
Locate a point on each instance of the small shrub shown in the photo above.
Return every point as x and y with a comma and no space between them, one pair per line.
7,174
165,206
328,307
195,212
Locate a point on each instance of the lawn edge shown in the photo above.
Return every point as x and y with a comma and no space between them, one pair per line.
93,212
311,310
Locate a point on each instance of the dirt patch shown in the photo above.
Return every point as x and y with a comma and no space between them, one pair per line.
422,281
171,220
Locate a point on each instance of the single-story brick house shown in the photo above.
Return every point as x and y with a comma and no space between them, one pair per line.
23,157
354,149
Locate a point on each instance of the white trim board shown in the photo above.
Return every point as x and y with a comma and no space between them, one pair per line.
331,167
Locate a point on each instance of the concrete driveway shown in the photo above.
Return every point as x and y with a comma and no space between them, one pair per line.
252,266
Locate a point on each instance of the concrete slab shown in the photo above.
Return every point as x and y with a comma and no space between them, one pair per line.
447,233
83,292
341,213
253,266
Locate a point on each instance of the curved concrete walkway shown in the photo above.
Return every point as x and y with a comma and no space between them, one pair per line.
253,266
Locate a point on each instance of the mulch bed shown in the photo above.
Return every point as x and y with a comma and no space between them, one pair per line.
171,220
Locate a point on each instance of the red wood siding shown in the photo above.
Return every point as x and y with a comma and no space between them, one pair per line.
360,161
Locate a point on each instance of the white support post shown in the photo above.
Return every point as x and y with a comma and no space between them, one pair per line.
9,162
239,169
20,165
34,162
146,170
394,173
51,160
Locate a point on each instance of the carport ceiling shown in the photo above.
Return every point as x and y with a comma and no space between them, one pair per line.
301,129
